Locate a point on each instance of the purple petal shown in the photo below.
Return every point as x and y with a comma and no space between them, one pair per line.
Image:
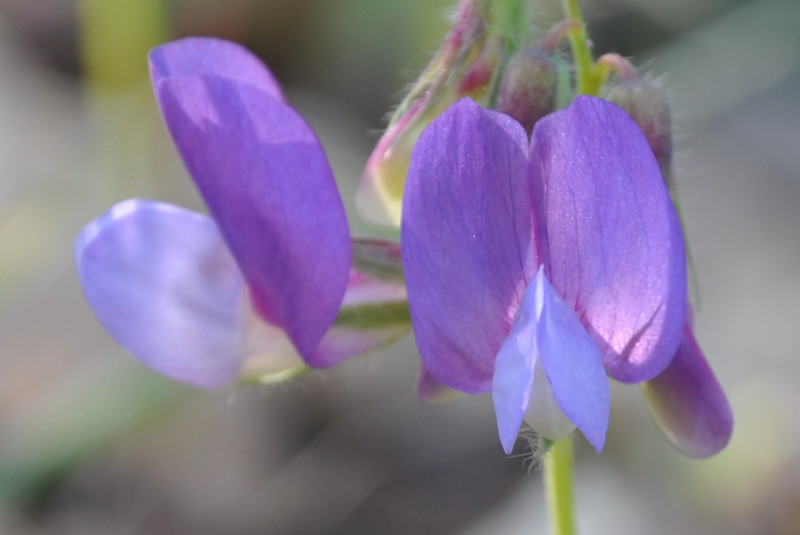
466,235
573,365
688,403
613,245
374,313
211,56
272,356
162,283
267,183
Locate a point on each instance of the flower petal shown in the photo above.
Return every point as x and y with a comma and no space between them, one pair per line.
266,181
162,283
612,243
688,404
374,313
544,415
514,370
573,365
211,56
549,372
466,236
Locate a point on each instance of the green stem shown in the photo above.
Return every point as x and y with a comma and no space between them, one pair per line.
558,486
510,20
589,79
116,36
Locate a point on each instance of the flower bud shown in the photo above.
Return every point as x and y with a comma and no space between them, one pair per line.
465,65
529,86
527,90
647,104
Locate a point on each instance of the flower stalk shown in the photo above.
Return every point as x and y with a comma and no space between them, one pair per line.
588,77
558,487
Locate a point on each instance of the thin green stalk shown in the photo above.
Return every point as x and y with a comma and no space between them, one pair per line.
116,36
558,487
510,20
589,79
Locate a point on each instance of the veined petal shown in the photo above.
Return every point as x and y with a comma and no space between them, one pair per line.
688,404
612,243
162,283
266,181
211,56
466,237
573,364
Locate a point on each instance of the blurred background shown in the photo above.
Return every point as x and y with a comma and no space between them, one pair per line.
91,442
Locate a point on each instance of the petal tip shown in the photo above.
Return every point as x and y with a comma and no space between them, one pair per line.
688,403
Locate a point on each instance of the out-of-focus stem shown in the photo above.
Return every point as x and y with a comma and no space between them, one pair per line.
115,38
589,79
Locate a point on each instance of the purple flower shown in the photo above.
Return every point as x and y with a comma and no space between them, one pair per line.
535,269
256,287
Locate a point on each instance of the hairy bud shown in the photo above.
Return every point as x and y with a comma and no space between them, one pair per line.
647,104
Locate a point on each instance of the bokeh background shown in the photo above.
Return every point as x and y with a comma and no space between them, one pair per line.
93,443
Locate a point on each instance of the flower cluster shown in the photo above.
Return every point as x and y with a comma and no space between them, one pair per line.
540,249
254,291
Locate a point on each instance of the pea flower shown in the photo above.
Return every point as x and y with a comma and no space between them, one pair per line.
255,290
535,269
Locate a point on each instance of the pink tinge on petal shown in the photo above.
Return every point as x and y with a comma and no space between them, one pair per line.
378,301
363,288
193,56
688,403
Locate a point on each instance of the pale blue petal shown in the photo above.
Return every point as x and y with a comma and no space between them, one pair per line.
163,284
513,372
548,338
573,364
